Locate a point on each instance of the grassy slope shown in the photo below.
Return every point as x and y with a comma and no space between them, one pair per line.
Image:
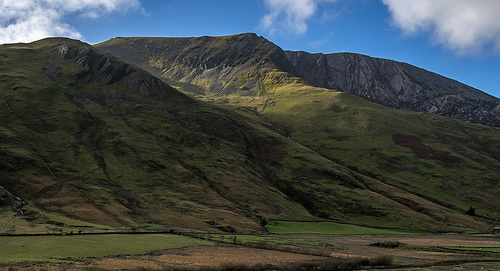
448,162
430,176
104,153
436,166
122,159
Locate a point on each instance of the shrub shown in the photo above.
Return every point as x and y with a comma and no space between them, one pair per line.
387,244
227,228
471,211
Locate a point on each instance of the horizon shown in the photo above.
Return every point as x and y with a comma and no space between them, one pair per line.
457,39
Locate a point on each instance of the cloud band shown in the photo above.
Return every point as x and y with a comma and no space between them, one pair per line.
29,20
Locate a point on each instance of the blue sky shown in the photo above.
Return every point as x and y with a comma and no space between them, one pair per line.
459,39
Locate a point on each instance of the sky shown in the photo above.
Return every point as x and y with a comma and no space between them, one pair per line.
459,39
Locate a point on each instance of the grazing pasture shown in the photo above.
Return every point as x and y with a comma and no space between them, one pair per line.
56,248
327,227
211,251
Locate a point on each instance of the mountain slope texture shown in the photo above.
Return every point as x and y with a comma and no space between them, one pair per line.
247,62
86,136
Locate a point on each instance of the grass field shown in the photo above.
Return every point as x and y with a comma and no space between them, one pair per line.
256,239
323,227
284,252
60,248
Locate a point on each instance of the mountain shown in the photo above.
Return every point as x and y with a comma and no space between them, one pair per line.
248,63
87,137
447,162
221,65
92,138
397,85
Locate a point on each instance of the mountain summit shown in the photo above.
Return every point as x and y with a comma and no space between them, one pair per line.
249,63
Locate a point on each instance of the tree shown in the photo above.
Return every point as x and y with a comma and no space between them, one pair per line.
471,211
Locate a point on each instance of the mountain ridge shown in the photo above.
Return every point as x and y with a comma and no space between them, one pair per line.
395,84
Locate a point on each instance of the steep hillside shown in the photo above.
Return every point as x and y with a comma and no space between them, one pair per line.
86,137
440,163
253,65
448,162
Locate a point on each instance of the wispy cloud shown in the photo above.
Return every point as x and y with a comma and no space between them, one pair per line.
464,26
289,15
29,20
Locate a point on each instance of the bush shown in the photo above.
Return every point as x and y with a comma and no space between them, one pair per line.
471,211
227,228
387,244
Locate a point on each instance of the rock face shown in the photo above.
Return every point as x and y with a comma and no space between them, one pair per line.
397,85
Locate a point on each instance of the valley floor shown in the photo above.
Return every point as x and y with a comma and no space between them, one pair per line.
419,252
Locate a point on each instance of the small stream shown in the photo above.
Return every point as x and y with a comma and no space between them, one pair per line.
19,207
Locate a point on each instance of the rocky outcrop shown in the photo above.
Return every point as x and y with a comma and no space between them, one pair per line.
221,65
397,85
107,70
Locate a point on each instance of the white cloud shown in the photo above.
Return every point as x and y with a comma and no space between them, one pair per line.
29,20
465,26
289,15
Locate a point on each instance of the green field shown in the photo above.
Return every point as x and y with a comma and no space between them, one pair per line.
324,227
257,239
59,248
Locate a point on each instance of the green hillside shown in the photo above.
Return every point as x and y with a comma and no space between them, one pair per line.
88,136
445,166
445,161
436,166
89,140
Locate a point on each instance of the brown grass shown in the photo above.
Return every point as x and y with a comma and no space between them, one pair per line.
267,150
423,151
41,128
